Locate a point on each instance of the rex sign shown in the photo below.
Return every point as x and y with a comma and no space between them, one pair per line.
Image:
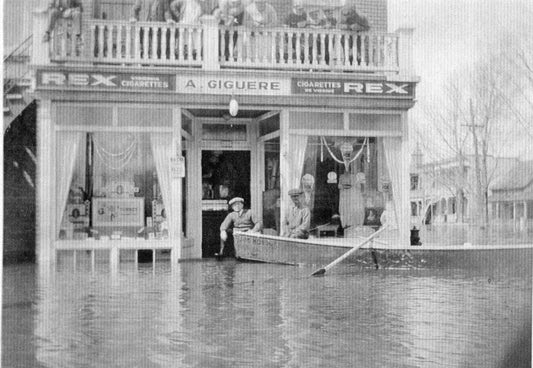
313,86
118,81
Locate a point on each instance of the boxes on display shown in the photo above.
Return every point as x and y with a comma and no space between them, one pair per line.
121,189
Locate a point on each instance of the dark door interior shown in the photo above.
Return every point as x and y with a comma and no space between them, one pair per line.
225,174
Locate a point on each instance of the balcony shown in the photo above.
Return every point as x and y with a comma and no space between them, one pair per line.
213,47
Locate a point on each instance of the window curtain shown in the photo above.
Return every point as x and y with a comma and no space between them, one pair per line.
161,149
399,176
297,147
67,145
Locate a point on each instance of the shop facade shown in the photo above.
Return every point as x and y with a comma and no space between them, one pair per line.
136,155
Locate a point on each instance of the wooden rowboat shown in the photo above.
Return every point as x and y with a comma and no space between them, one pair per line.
516,259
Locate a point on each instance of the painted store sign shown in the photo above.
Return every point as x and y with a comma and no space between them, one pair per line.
314,86
236,85
122,81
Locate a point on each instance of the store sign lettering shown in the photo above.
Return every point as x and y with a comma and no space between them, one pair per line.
339,87
105,80
237,85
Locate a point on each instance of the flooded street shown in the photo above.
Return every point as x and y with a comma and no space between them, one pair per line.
229,314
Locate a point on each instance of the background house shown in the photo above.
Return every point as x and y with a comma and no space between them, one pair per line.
443,191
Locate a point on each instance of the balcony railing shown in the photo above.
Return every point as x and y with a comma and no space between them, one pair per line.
211,47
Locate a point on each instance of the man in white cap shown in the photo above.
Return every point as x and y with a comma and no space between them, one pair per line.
240,220
298,218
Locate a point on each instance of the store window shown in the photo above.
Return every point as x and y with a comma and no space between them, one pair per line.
113,185
346,181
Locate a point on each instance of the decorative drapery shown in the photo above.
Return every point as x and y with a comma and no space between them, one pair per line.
395,160
297,147
161,148
67,145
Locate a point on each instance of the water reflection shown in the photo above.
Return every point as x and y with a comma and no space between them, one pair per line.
228,314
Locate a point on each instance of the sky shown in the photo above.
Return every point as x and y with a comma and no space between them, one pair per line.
451,34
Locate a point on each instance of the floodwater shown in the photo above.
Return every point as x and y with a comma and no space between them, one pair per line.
230,314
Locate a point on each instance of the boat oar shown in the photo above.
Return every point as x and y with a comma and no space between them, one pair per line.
323,270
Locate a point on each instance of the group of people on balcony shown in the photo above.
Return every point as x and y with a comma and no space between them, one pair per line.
250,13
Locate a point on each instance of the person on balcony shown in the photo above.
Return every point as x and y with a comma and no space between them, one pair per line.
260,14
152,11
186,11
298,218
330,20
64,9
350,20
298,17
231,14
239,220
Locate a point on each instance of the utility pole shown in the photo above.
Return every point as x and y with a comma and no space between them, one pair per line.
480,202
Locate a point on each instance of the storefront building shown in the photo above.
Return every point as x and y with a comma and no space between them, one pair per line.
146,130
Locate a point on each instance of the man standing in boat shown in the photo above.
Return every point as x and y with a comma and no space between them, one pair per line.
298,219
239,220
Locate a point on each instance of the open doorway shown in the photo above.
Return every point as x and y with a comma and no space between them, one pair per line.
225,174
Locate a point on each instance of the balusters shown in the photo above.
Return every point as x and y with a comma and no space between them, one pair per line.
172,44
101,41
274,36
164,47
189,45
127,43
137,43
323,51
145,46
181,38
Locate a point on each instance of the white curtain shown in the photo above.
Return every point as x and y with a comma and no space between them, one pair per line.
67,145
397,165
297,147
161,149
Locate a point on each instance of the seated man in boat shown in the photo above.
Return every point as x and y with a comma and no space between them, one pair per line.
239,220
298,218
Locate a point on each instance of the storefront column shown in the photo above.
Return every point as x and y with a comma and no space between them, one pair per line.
45,219
175,225
405,180
284,166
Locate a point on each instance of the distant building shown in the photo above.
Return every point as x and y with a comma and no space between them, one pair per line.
443,191
512,197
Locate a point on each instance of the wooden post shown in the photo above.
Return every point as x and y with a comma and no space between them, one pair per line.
405,51
194,190
284,165
175,225
256,203
210,42
40,54
45,185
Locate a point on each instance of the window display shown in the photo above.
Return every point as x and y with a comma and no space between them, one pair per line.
112,185
345,181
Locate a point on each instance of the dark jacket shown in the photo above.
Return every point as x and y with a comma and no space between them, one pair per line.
65,4
151,10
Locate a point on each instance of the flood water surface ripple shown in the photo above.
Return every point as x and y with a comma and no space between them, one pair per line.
229,314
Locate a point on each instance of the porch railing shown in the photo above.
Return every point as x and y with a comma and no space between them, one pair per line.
211,47
286,48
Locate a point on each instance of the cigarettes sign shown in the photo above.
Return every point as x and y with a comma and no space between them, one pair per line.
309,86
116,81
